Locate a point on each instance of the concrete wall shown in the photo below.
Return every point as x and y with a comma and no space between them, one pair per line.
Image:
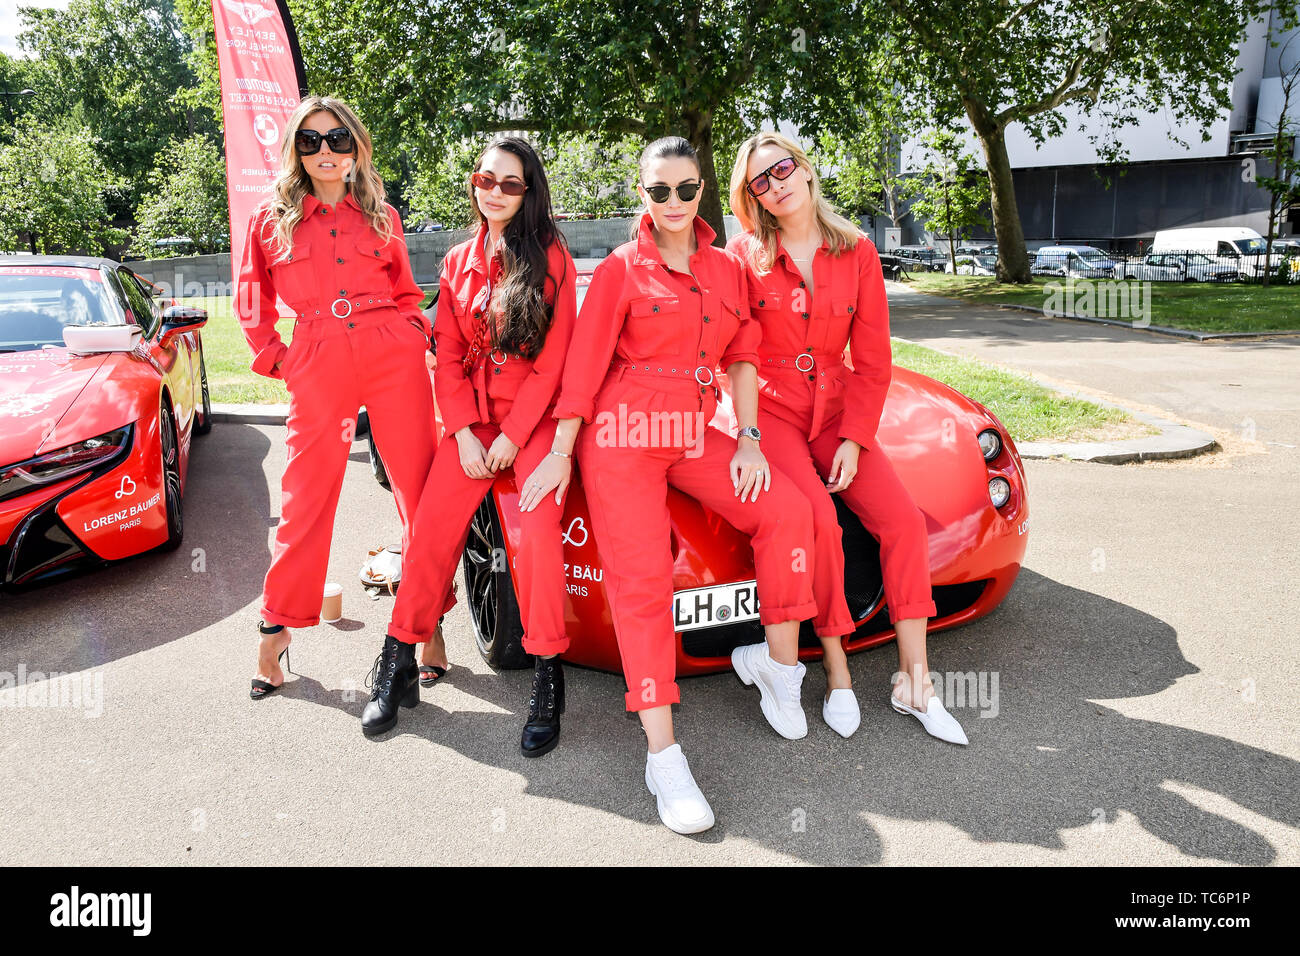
210,275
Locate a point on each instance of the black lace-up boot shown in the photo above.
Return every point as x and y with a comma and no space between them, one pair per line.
394,680
545,704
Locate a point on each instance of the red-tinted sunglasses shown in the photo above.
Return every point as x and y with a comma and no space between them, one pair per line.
510,187
762,182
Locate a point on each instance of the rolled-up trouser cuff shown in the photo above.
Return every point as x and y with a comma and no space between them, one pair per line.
545,647
270,617
779,615
906,612
835,630
665,694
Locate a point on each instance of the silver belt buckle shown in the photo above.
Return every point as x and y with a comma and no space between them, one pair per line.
498,361
811,362
699,369
334,308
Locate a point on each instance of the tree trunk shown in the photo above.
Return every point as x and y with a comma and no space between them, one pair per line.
1013,261
700,134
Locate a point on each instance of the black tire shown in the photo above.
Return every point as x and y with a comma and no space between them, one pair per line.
493,606
203,423
171,469
377,464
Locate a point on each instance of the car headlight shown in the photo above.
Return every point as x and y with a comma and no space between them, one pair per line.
990,443
999,491
61,463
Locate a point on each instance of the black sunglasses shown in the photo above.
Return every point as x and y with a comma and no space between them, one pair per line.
307,141
685,191
780,169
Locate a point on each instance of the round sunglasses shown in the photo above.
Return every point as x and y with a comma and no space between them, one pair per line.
763,181
307,141
509,187
660,193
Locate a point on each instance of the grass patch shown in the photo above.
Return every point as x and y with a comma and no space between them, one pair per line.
1198,306
1029,411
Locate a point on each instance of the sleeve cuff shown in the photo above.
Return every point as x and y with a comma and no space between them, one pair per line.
750,357
264,361
572,410
858,435
510,429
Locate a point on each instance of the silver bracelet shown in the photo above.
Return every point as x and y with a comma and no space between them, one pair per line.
561,454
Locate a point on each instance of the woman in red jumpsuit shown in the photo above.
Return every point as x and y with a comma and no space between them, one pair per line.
662,314
815,286
506,307
328,245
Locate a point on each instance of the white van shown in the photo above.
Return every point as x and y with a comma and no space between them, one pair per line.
1235,246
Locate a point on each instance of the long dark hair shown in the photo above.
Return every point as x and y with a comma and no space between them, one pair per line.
522,296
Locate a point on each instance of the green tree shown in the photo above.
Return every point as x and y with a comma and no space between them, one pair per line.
55,190
1283,186
951,191
998,63
708,71
120,65
439,191
188,198
589,178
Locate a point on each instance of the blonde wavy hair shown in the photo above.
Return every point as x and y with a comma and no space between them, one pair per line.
293,184
835,229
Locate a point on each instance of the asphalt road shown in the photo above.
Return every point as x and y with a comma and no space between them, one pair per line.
1145,707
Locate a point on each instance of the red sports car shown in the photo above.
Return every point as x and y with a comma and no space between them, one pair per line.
102,385
951,453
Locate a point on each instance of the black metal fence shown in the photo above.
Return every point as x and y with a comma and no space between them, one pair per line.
1283,267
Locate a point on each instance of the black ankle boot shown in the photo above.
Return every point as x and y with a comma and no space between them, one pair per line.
545,704
395,680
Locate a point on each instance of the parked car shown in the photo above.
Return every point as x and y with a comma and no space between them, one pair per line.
928,257
970,485
102,388
978,249
1179,267
1080,262
974,265
1236,246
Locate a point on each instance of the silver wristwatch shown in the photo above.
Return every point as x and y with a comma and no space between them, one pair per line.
750,431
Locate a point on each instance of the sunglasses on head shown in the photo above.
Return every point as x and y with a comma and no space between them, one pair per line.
510,187
763,181
660,193
307,141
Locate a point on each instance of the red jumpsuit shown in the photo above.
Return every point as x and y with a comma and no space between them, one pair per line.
646,350
501,393
809,402
359,339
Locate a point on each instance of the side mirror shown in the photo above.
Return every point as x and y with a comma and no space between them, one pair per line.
179,319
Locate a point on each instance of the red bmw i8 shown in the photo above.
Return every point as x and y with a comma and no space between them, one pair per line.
102,386
953,455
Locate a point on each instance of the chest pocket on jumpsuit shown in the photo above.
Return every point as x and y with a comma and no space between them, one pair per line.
372,261
295,276
658,320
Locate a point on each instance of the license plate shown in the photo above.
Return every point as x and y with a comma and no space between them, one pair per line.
714,606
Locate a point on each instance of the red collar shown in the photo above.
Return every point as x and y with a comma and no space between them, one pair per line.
310,203
648,252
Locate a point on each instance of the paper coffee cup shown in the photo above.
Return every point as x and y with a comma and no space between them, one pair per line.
331,608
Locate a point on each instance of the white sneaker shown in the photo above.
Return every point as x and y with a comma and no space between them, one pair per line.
936,720
840,711
778,685
682,806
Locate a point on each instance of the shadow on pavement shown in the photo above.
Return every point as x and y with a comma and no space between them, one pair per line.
1047,758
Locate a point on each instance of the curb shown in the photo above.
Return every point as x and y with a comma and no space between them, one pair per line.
1174,440
250,414
1154,329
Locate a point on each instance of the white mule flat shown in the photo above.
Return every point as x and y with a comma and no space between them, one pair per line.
936,720
840,711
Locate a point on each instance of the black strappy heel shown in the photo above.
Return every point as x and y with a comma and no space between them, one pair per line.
262,688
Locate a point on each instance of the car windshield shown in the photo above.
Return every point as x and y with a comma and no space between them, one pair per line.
988,262
1250,246
1196,259
36,302
1088,252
